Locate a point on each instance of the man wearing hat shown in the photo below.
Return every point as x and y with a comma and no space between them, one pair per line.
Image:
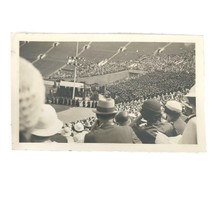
190,132
173,111
151,112
105,130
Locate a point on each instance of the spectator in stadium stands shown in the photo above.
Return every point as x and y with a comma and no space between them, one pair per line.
31,98
47,126
151,112
66,132
123,118
80,133
173,111
190,132
105,130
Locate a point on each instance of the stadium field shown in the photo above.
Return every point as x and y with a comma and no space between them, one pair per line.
72,114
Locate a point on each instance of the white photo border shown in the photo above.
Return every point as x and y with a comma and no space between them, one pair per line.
199,58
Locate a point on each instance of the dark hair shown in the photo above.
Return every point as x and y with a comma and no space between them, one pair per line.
150,116
105,116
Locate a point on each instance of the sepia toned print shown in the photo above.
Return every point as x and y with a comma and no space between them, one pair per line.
111,92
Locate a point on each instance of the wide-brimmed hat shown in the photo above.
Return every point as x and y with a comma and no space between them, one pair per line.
79,127
191,93
48,123
105,106
174,105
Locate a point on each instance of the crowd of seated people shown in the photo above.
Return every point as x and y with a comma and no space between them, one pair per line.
184,62
151,85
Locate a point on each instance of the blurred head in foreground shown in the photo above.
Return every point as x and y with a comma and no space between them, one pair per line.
31,98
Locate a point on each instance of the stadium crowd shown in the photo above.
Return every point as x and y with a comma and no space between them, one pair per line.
155,84
184,62
143,113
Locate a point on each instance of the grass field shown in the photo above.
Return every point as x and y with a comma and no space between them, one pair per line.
69,114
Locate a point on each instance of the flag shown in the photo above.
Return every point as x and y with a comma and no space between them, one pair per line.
121,49
103,62
156,52
86,47
41,56
55,44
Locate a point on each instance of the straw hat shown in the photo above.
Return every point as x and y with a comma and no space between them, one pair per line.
48,123
31,95
105,106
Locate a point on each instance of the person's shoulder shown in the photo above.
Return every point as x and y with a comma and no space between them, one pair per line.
192,121
123,127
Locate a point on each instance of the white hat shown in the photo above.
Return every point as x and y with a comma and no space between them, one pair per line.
174,105
79,127
31,95
48,123
191,92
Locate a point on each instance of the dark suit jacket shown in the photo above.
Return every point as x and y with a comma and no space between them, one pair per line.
112,134
147,134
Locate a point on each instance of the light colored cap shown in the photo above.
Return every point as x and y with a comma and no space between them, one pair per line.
79,127
174,105
48,123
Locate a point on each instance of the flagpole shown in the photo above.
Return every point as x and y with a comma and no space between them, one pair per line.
75,70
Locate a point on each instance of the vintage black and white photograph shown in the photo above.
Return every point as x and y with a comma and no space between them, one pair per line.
128,92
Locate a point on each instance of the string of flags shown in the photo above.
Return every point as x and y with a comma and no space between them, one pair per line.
72,60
